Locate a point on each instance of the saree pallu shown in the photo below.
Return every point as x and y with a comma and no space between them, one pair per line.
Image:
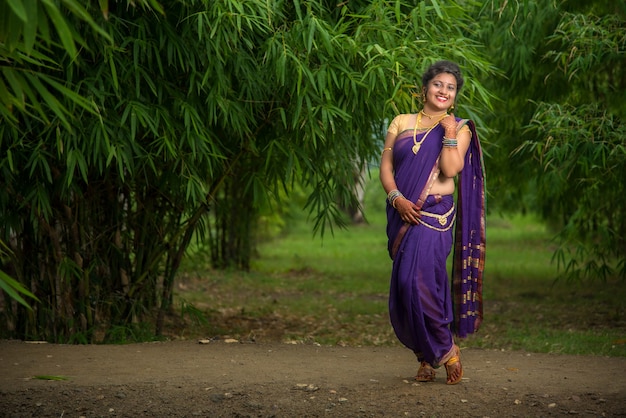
470,242
420,301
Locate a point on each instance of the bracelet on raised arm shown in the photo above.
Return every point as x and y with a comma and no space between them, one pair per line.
449,142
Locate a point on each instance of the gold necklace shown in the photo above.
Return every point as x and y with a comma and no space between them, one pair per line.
431,116
418,120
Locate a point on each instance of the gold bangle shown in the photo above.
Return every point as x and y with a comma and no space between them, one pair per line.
385,149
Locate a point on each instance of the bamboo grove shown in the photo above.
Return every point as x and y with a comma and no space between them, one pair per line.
131,130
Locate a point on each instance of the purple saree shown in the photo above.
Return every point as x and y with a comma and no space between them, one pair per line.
420,300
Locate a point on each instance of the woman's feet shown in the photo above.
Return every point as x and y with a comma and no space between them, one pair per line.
426,373
454,369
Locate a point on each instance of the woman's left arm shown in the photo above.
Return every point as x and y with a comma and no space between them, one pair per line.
452,158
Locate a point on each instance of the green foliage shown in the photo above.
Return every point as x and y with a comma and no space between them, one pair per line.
589,50
14,289
105,182
560,145
134,126
11,287
194,314
131,333
131,128
30,32
583,156
514,35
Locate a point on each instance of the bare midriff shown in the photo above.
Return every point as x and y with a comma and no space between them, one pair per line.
443,186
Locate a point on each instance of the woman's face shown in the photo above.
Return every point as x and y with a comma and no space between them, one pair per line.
440,93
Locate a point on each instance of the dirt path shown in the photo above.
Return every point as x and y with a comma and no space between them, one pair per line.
219,379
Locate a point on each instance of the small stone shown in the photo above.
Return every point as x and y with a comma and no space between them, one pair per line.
217,397
552,405
307,387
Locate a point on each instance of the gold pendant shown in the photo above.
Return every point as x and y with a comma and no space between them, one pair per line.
416,148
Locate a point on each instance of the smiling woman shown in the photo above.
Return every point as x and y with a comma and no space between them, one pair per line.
423,154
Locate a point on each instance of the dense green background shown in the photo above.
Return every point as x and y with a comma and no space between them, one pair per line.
133,132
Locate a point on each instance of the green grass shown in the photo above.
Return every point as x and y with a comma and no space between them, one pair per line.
334,291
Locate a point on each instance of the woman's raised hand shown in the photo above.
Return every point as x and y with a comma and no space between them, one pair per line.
449,125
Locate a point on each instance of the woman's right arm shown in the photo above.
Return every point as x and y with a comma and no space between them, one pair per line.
408,210
386,161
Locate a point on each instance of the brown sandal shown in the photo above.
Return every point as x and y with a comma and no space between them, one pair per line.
452,369
426,372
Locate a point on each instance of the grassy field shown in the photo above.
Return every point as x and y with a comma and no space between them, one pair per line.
334,291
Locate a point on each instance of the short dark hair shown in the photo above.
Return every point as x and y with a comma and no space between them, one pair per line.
443,67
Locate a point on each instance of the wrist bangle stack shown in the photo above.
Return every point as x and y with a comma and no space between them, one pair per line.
393,195
449,142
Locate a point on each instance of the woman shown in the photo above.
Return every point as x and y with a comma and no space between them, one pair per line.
423,154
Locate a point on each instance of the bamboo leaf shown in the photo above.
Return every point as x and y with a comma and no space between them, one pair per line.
155,5
30,25
435,4
60,24
70,95
311,34
15,289
17,6
50,100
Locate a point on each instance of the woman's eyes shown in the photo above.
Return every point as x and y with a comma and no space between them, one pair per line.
450,86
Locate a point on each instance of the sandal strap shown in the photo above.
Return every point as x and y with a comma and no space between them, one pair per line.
452,361
426,373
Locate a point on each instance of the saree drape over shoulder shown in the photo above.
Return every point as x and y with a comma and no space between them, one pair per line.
423,310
